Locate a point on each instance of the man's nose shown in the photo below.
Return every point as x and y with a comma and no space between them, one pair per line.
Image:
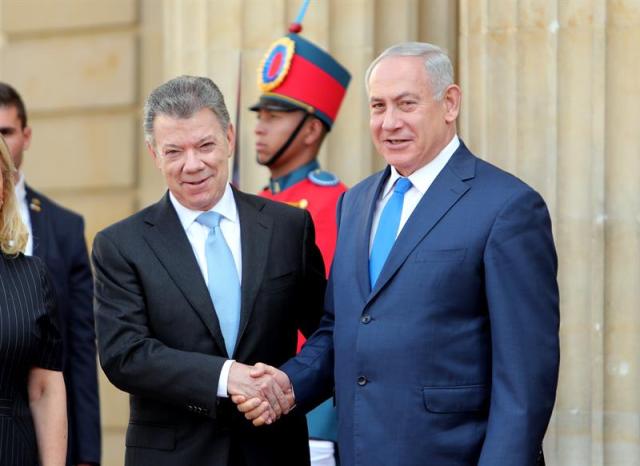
390,119
192,160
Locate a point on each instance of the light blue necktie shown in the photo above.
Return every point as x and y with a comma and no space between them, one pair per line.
387,229
224,284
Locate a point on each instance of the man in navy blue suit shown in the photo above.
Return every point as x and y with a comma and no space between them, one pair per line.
441,313
56,235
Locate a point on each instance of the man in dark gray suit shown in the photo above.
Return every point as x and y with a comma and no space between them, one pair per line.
185,304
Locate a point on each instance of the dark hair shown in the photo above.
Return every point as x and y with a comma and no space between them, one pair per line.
9,97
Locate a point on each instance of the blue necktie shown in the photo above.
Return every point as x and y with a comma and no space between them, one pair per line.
224,284
387,229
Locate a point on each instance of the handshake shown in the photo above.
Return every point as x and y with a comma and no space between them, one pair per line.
263,393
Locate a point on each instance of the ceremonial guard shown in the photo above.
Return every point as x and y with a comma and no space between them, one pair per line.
302,88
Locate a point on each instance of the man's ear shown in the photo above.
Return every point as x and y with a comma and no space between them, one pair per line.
315,131
26,134
231,139
152,152
452,99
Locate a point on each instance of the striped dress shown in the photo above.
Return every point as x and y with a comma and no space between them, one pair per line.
28,337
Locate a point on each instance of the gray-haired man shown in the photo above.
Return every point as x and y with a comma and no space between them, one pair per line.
441,327
196,287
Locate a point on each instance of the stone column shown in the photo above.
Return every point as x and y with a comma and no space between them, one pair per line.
622,233
551,94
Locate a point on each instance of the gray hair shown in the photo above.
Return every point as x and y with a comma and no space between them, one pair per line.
182,97
436,63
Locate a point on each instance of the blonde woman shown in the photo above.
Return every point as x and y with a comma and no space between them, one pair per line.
33,420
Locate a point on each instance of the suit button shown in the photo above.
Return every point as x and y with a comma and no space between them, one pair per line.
362,380
365,319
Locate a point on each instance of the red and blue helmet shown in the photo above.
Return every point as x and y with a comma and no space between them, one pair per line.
295,74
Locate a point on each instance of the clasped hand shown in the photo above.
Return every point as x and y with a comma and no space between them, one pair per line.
262,392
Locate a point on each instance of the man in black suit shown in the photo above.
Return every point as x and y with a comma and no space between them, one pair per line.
184,306
56,235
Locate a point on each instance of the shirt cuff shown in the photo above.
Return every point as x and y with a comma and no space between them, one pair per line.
224,379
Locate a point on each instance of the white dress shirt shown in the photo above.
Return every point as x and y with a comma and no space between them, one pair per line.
197,235
21,195
421,180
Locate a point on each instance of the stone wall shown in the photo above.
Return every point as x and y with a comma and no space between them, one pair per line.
550,93
76,64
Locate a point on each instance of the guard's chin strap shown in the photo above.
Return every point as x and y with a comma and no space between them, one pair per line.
285,146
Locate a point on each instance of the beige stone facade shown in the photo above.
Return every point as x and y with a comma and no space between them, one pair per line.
551,93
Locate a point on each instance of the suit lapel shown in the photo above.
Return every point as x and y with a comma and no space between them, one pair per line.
369,200
38,226
448,187
168,240
255,238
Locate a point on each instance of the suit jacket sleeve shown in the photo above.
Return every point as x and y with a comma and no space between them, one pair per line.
81,364
311,371
131,357
522,297
314,280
